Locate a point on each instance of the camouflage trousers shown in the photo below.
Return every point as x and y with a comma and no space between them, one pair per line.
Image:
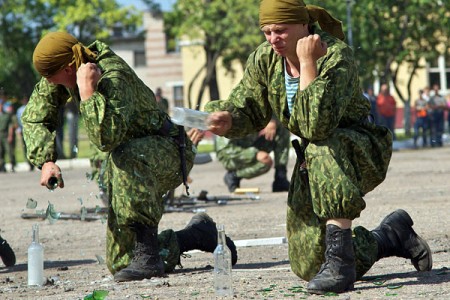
98,162
236,157
138,174
341,169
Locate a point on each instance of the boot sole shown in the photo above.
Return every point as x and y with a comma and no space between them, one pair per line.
320,292
406,218
124,275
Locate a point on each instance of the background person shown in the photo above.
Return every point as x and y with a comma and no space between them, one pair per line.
8,126
249,157
387,108
438,106
421,122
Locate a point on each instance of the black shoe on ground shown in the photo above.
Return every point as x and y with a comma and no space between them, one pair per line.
146,262
280,182
201,234
280,185
338,273
232,181
7,254
396,237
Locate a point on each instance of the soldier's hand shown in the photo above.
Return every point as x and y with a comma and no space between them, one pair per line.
51,176
219,122
310,48
196,135
269,131
88,76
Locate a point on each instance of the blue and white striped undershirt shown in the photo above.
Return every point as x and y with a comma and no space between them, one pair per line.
291,84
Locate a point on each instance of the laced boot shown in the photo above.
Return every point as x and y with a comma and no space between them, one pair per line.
7,254
232,181
280,183
201,234
146,262
338,273
396,237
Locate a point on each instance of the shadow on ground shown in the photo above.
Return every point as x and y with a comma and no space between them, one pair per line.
50,265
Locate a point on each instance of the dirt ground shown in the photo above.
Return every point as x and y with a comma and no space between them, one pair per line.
417,181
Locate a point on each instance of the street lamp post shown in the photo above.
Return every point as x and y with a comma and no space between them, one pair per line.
349,23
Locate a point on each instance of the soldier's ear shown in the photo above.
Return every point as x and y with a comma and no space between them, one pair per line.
70,69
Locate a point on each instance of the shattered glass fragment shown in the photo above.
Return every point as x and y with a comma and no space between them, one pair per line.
83,213
41,212
100,259
31,203
51,215
97,295
89,176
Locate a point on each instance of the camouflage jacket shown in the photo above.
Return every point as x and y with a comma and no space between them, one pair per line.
334,99
122,108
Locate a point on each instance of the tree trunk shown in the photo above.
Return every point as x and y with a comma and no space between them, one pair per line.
407,117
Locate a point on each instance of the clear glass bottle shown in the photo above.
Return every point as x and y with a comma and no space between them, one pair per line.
35,260
223,281
190,117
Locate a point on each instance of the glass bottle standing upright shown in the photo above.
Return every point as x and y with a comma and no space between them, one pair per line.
223,282
35,260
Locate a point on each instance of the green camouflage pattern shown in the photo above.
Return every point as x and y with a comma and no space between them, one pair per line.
98,167
240,154
122,119
346,157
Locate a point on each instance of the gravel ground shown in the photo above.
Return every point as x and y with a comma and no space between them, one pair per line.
417,181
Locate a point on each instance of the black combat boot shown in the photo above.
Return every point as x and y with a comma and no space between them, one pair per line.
396,237
338,273
7,254
146,262
201,234
232,181
280,183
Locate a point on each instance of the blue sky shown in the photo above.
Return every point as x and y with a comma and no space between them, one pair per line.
165,4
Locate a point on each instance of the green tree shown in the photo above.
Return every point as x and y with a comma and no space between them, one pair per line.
394,34
227,29
390,34
22,23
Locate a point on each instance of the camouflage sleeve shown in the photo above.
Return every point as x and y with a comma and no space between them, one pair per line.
248,102
319,108
107,112
40,121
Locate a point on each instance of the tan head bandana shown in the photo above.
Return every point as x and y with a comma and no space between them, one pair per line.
57,50
296,12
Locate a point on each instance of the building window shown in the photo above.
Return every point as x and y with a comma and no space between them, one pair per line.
139,59
178,95
434,72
